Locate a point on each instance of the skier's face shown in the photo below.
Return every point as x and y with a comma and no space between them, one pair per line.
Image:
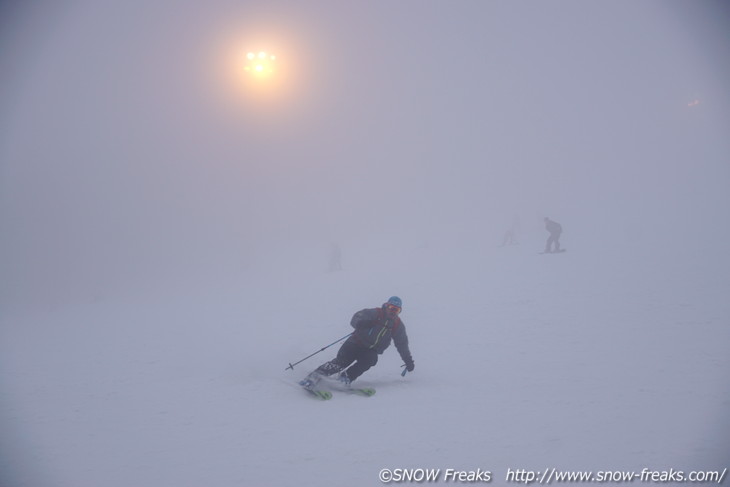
392,310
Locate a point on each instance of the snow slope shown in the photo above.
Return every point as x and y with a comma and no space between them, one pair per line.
613,360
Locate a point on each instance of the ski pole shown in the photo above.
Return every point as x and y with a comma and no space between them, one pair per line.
291,365
405,371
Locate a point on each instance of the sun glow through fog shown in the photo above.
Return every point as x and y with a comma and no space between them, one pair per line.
262,72
261,64
254,71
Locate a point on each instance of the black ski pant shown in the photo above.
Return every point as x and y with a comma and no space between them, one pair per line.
350,352
554,238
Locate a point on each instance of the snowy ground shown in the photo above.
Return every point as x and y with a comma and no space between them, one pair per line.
585,360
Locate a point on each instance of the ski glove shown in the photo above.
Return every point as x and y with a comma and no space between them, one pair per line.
410,366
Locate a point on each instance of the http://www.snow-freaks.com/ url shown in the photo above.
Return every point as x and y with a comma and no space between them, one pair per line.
549,476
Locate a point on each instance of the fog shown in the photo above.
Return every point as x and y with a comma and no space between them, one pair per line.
170,228
131,151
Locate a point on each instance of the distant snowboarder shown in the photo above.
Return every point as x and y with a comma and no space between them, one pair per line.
555,230
374,330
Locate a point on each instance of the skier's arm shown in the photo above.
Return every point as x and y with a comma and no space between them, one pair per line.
401,344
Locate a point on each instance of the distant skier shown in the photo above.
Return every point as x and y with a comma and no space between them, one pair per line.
555,230
510,236
374,329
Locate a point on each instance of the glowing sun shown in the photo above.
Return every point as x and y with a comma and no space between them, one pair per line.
260,64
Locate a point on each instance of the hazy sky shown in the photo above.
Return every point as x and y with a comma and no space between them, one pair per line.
127,138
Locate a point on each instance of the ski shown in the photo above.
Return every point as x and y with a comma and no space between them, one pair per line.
327,395
309,384
553,252
363,391
337,386
312,381
320,394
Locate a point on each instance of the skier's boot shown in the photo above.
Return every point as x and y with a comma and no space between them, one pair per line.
344,379
310,381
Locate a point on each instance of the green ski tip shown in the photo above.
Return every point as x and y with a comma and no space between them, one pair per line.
365,391
324,395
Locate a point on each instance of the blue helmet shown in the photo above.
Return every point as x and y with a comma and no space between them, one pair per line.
395,301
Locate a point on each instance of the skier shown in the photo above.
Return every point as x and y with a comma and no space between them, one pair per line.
374,329
555,230
510,236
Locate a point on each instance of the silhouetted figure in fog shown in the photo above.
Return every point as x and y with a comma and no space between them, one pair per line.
555,230
510,236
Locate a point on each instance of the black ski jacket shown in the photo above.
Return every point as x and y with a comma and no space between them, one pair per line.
374,330
553,227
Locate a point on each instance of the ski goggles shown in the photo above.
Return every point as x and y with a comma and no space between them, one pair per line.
391,307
